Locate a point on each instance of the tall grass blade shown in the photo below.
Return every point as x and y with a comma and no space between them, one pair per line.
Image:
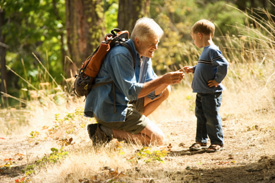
45,69
15,98
22,78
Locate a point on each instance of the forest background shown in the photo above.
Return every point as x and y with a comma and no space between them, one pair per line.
43,136
55,36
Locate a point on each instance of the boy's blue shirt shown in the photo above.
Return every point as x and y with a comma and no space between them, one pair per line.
211,66
118,67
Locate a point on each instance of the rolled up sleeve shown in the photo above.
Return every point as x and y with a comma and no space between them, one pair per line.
150,75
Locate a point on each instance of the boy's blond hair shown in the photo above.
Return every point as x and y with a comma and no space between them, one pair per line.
203,26
145,28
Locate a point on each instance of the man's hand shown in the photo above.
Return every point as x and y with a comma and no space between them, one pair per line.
212,83
162,81
188,69
173,77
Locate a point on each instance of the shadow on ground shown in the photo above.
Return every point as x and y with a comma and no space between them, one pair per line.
12,172
261,172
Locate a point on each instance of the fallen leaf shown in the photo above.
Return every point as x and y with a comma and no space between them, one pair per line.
45,127
181,144
8,159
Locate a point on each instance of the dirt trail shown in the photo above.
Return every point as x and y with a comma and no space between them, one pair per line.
17,152
249,155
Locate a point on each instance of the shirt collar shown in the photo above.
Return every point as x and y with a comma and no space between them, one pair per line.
131,43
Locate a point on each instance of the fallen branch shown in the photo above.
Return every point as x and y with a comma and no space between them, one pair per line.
4,45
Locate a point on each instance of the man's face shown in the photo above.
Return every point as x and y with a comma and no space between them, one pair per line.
147,47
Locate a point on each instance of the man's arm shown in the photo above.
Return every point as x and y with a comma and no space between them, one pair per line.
165,80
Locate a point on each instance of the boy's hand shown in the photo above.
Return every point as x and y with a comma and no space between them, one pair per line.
212,83
188,69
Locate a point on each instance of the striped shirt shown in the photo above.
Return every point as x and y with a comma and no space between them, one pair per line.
211,66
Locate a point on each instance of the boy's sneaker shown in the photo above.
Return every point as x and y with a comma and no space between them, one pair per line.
197,146
97,135
214,148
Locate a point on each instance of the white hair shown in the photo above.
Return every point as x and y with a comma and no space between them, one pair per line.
145,28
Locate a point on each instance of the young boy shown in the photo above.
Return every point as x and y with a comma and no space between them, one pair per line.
208,75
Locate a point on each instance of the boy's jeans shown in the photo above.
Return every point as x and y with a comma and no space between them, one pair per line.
208,119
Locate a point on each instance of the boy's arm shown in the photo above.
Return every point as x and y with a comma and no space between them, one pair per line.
188,69
222,67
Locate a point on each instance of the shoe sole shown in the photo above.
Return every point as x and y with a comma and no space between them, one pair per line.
198,149
212,150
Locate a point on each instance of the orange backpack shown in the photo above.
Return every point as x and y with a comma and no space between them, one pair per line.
84,81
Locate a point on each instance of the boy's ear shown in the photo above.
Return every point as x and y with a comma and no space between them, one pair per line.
200,35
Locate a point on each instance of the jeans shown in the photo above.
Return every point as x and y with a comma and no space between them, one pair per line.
209,123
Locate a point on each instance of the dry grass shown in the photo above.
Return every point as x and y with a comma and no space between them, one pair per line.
248,111
248,123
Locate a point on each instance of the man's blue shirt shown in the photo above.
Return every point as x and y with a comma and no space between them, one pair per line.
211,66
118,67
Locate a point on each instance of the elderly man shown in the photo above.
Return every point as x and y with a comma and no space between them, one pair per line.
121,107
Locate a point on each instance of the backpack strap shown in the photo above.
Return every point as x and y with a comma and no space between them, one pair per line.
100,84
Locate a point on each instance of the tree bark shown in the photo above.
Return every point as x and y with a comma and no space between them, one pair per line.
129,11
3,48
57,14
84,25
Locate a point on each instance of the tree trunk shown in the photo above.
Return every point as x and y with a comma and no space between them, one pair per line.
3,48
57,14
84,25
131,10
